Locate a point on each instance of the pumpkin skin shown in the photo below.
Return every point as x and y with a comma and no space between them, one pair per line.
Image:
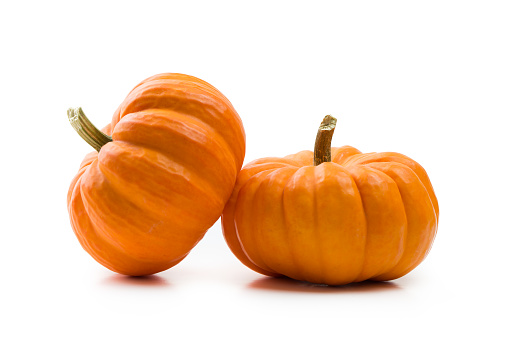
140,204
359,217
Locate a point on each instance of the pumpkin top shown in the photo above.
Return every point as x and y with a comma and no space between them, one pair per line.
345,156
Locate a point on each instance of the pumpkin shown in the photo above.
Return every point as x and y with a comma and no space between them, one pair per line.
151,190
335,216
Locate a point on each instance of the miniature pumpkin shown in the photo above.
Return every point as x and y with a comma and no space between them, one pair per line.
333,217
146,197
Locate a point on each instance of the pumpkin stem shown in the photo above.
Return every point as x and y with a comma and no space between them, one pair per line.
323,145
91,134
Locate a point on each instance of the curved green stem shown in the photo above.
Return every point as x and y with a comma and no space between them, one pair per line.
91,134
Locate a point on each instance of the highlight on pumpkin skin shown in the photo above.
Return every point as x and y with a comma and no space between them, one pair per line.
333,216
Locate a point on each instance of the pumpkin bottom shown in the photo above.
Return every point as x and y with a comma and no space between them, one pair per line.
329,282
318,283
144,269
331,276
140,260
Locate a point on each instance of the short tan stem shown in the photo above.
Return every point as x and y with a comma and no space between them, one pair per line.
323,146
91,134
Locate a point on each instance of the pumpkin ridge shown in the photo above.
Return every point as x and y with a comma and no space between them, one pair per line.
104,257
169,78
366,229
356,159
185,85
190,104
416,256
89,212
89,158
364,252
117,181
206,87
229,224
412,164
386,271
77,228
206,143
286,227
84,241
275,167
158,213
341,154
251,254
126,232
256,235
230,232
406,223
171,169
266,185
369,229
300,159
317,229
293,241
256,169
75,180
344,204
269,161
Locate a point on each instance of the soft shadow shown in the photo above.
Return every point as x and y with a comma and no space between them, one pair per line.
125,280
290,285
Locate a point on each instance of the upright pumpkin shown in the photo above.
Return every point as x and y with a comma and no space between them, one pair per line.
334,217
146,197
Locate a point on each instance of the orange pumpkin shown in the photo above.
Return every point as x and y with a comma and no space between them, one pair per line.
333,217
146,197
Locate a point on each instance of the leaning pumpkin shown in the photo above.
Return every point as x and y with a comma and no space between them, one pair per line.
153,188
333,217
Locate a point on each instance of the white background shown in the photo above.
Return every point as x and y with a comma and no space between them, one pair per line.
428,79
